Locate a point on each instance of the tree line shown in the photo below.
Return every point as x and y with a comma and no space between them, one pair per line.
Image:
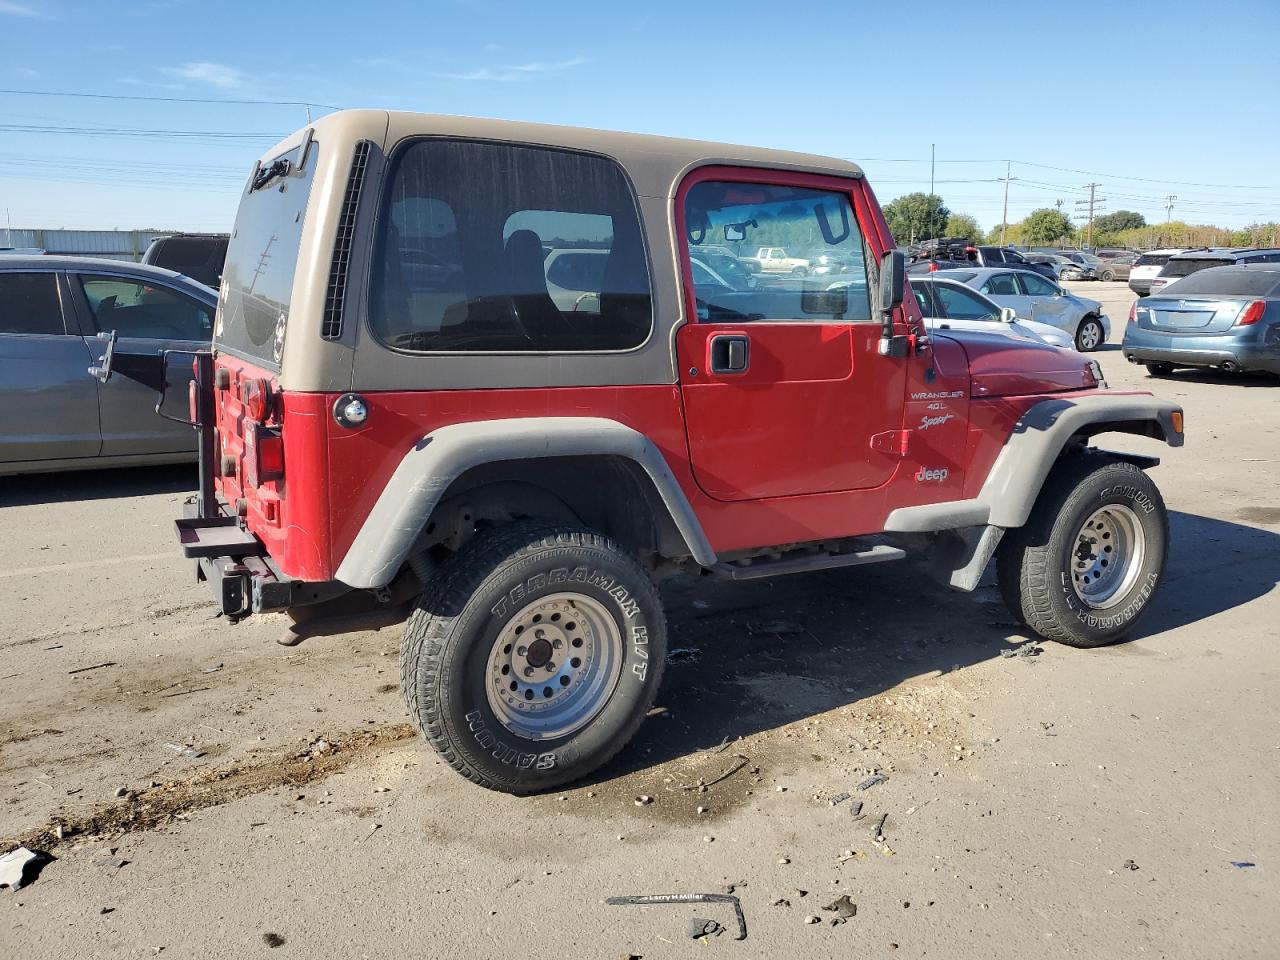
922,216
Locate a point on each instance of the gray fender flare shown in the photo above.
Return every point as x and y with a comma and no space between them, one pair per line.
1020,470
425,473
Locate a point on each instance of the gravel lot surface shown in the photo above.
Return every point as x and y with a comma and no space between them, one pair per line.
1120,802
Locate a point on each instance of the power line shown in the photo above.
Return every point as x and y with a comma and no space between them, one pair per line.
122,96
1090,173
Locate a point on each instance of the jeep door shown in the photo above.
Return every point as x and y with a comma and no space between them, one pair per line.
148,317
782,385
46,393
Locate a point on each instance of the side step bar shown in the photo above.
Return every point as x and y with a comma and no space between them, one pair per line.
760,568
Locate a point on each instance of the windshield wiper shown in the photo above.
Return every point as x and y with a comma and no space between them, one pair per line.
264,175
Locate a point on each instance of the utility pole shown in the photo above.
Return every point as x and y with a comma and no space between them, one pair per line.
1004,217
1168,207
932,161
1089,207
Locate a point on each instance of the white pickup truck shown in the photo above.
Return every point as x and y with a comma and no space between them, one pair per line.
775,260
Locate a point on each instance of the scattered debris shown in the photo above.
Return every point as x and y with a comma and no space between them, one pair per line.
669,898
812,919
702,810
782,902
1242,864
121,792
108,858
871,781
700,927
214,669
778,627
1029,649
838,799
96,666
1130,865
878,832
19,867
273,940
800,893
843,908
184,750
783,861
855,809
643,800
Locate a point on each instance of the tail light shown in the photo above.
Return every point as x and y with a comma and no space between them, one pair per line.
263,454
1133,312
255,394
1252,313
933,266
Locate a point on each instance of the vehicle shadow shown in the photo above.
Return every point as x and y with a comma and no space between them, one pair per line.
748,657
1212,376
82,485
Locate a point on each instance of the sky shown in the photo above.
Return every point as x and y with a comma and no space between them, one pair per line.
1144,99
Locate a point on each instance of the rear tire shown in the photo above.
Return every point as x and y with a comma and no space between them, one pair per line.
582,686
1085,566
1159,369
1089,335
1107,276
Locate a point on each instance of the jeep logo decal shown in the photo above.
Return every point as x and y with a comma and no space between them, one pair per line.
932,474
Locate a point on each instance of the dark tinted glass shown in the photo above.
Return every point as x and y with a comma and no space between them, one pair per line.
466,259
960,304
1152,260
1000,285
1036,285
135,309
29,303
199,258
261,258
1184,267
1227,282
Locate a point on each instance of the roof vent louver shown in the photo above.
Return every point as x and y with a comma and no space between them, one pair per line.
335,294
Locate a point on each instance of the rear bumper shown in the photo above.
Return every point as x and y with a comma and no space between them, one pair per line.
239,572
1140,287
1200,351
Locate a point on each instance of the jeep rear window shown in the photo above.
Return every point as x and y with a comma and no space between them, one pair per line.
261,257
751,219
529,249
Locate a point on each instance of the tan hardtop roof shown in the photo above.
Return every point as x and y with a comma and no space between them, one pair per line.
655,164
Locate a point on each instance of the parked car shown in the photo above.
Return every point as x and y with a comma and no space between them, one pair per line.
777,260
1087,264
1062,267
1226,317
57,417
958,256
1115,254
1115,268
511,477
1041,299
728,267
1185,264
1147,266
950,305
199,256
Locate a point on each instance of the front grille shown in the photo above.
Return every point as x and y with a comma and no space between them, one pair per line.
335,294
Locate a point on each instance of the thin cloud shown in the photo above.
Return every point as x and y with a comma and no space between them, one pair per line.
204,71
516,72
14,9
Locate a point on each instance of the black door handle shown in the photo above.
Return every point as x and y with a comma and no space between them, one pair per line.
730,353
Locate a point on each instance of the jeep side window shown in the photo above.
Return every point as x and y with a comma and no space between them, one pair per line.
498,247
771,219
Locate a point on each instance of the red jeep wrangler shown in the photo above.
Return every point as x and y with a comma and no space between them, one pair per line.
474,374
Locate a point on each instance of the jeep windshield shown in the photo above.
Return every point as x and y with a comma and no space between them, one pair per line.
261,256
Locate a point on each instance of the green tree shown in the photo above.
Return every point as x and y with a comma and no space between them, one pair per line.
1120,220
1044,226
964,227
916,216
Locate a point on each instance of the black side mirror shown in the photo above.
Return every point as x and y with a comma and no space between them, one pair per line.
893,273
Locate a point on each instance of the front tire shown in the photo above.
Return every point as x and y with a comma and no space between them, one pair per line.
1085,566
1107,276
1089,335
533,655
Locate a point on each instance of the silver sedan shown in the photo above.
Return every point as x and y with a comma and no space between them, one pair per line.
1039,298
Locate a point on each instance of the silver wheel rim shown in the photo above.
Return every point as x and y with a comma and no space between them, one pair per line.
1089,334
1107,555
554,666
